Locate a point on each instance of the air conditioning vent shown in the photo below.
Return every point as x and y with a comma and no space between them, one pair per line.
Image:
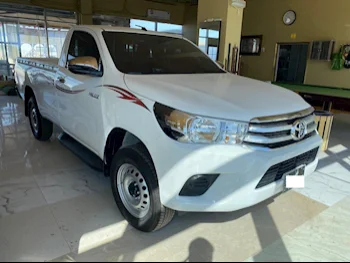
322,50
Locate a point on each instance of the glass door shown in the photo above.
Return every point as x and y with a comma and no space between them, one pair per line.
291,63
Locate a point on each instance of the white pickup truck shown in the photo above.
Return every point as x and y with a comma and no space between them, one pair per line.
175,132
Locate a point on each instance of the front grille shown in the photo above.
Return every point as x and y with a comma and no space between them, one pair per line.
276,134
277,171
281,144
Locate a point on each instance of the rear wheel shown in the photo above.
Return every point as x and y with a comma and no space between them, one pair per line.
135,188
41,127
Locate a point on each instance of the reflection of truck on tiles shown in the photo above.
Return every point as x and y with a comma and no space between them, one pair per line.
174,130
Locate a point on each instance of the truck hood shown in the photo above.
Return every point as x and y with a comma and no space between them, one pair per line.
225,95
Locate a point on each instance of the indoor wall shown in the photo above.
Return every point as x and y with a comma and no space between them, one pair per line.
317,20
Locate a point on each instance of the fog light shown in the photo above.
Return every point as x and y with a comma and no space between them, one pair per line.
198,184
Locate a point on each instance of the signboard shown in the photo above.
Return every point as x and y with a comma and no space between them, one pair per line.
157,14
251,45
346,55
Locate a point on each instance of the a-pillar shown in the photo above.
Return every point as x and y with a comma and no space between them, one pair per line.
85,12
231,18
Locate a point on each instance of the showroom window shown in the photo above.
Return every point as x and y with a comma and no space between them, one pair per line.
156,26
208,42
169,28
56,40
149,25
33,40
9,47
31,32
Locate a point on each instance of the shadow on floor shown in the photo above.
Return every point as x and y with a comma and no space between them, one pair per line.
127,247
268,235
206,251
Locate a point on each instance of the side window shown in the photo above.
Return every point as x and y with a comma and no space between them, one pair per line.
83,44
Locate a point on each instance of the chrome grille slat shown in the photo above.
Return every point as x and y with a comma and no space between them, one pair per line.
312,127
273,127
260,139
309,119
268,129
275,134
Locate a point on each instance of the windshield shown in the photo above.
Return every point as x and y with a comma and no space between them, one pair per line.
134,53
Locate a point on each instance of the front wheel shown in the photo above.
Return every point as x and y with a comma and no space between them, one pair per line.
135,188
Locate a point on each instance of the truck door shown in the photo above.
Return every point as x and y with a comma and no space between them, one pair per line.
77,90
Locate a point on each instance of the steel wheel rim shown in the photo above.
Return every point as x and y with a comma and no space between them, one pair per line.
133,190
34,119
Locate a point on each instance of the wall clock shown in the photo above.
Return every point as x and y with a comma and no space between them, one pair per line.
289,18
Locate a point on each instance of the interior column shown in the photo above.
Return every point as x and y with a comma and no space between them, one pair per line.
85,12
231,17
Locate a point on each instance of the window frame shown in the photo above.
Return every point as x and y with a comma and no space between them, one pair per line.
98,50
220,70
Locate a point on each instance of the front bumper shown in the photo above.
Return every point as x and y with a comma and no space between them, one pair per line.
240,170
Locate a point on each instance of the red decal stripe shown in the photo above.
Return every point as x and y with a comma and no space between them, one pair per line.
126,95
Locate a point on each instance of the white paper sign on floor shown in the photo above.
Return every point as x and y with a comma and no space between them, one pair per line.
295,181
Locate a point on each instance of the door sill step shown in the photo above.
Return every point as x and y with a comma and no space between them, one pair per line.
81,151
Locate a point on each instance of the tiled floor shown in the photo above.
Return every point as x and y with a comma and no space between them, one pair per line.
52,206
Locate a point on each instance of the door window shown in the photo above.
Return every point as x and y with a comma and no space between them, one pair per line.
83,45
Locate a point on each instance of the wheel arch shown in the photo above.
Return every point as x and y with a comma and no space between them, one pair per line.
28,93
119,138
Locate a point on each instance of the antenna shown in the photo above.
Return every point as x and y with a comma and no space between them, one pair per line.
143,28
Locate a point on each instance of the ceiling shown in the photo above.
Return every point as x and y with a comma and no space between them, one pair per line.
7,8
193,2
14,8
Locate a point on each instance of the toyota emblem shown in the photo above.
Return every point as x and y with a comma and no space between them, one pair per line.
299,130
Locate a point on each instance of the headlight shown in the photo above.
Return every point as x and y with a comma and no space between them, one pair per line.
185,127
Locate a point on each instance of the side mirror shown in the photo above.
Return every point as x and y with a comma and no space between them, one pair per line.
85,65
221,64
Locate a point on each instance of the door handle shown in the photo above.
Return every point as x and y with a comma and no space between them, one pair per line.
61,79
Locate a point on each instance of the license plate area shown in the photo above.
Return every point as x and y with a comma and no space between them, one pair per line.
295,179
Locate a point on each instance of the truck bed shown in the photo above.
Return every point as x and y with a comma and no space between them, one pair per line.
46,63
25,65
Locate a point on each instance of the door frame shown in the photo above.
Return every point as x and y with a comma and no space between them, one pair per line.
277,52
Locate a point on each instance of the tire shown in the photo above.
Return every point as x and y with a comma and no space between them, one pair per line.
134,163
41,128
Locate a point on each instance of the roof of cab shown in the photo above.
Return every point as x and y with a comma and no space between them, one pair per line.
101,28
